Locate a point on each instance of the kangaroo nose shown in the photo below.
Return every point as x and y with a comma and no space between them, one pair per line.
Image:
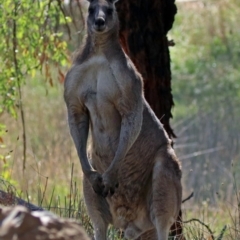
99,22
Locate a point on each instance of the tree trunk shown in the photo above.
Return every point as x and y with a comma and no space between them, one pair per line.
143,28
144,25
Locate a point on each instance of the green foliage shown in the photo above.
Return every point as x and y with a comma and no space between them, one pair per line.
205,60
206,91
31,41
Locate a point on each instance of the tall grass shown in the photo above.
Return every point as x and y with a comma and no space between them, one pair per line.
206,91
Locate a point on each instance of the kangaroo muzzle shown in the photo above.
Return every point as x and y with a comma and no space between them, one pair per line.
99,24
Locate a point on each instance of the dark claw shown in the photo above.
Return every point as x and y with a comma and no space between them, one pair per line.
110,182
104,193
98,190
112,191
100,179
97,185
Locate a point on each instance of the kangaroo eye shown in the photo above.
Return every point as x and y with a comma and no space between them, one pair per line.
109,11
91,10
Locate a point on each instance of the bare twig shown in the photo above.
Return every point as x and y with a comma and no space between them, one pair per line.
17,70
195,154
202,223
51,199
71,13
71,3
171,43
47,16
189,197
162,117
80,10
71,186
220,237
64,15
44,191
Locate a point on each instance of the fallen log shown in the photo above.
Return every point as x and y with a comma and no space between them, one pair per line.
19,223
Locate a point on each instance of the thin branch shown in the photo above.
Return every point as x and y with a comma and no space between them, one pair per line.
47,16
64,15
72,14
70,202
202,223
44,191
220,237
80,10
203,152
189,197
14,41
162,117
187,145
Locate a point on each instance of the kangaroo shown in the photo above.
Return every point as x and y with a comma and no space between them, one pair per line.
131,176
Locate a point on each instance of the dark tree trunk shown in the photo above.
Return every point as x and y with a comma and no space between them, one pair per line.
144,25
143,28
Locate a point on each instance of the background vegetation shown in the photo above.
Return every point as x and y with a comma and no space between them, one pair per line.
42,164
206,88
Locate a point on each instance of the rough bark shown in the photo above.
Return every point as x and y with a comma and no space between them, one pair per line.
143,34
143,28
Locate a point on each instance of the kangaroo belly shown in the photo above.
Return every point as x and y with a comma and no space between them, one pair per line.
132,216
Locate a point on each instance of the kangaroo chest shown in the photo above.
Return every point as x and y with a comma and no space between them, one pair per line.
98,91
98,84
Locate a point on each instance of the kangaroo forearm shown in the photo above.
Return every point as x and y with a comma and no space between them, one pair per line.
131,127
79,133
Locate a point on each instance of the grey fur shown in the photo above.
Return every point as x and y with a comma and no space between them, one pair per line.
132,178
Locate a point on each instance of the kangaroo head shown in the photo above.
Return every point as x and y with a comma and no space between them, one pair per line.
102,16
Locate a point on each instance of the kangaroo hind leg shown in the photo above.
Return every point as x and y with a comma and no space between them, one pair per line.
98,210
167,192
